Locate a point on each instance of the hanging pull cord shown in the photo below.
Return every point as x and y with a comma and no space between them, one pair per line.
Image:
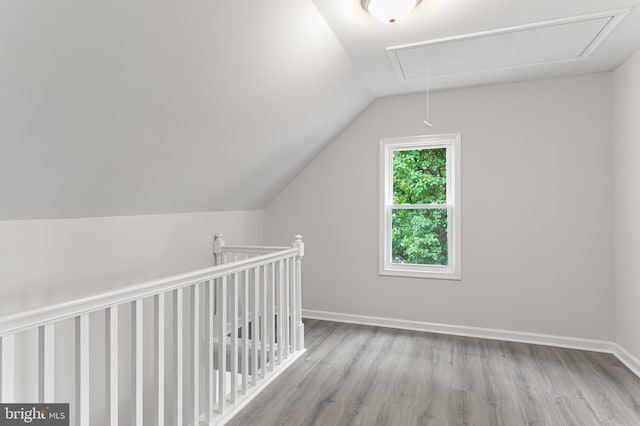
427,120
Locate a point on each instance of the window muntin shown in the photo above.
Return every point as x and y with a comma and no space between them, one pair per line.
420,217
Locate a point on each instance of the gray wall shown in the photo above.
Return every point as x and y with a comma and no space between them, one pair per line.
626,89
48,261
536,211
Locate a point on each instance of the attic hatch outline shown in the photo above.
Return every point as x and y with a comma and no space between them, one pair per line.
613,19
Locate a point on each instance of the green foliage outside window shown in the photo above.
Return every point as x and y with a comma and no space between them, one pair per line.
419,236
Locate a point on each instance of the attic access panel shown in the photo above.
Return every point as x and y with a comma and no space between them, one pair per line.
531,44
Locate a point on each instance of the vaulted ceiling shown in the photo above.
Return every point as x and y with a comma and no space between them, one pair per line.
119,107
157,106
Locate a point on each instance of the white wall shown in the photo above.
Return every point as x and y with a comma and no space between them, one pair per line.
626,107
44,261
536,211
47,261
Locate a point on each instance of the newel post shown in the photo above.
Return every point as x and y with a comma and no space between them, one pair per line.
298,289
218,243
218,259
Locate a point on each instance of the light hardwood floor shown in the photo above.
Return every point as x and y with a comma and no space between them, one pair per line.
361,375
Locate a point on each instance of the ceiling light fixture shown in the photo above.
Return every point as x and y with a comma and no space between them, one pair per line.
389,11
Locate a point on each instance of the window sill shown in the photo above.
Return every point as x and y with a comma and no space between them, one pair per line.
406,273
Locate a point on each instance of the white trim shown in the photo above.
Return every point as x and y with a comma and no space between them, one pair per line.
626,358
417,271
459,330
593,345
252,249
450,142
420,206
616,17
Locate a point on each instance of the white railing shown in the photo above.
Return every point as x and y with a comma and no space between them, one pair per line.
232,327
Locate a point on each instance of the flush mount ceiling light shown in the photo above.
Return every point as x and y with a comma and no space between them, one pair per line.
389,11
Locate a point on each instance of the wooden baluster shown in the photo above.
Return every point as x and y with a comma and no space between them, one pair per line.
195,362
222,344
220,325
178,353
159,313
46,361
254,326
263,322
245,330
209,376
137,342
7,368
285,317
280,313
234,338
111,361
292,292
272,317
82,370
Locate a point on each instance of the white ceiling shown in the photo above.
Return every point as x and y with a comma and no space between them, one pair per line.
366,40
119,107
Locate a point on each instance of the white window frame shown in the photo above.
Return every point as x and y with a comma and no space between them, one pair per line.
387,147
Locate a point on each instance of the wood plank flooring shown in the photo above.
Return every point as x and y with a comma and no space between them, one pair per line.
361,375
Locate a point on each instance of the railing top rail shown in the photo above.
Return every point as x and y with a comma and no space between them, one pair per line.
252,249
16,323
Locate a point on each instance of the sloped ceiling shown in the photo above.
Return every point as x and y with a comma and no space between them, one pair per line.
121,107
156,106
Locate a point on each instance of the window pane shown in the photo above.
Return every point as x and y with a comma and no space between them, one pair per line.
419,237
420,176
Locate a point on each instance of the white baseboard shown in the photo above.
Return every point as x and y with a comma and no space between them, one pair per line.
484,333
456,330
626,358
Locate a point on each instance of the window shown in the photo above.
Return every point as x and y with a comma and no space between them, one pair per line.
420,206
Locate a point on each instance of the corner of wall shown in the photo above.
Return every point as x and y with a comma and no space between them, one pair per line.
626,193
